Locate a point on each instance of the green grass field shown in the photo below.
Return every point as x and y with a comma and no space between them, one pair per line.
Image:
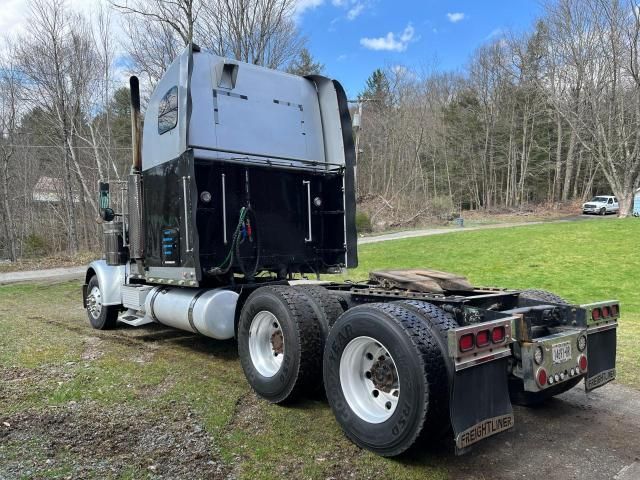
81,403
583,261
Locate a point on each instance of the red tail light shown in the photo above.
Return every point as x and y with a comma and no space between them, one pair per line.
498,334
466,342
606,312
582,363
596,314
482,338
541,377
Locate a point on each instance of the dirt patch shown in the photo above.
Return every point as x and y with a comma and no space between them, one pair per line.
92,440
49,261
91,349
247,414
389,215
13,373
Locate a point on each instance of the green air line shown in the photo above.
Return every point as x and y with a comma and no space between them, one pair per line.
234,239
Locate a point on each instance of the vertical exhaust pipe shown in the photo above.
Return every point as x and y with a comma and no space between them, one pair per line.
135,200
136,135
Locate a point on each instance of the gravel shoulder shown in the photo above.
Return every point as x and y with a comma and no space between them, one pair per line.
48,275
573,436
425,232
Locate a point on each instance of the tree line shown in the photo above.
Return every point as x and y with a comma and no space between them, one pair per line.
64,108
547,116
551,115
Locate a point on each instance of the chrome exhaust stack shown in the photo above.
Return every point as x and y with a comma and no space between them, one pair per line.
136,226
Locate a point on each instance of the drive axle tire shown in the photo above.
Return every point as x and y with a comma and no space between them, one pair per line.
101,317
380,375
440,322
280,343
326,306
543,296
516,386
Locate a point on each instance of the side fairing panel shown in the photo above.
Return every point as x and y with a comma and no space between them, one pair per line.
156,148
171,241
261,112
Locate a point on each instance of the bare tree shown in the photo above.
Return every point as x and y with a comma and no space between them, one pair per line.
10,93
600,39
43,53
261,32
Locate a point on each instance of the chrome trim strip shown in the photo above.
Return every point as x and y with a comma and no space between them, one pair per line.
224,209
308,184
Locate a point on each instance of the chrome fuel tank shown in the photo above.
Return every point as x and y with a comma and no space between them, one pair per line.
208,312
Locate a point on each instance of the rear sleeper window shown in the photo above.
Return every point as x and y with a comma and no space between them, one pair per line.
168,111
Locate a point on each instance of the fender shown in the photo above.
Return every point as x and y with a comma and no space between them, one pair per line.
110,278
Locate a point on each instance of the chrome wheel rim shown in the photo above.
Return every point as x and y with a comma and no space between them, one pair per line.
369,379
94,302
266,343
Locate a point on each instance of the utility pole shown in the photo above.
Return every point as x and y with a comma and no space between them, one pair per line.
356,123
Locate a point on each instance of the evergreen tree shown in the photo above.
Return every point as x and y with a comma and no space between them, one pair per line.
305,65
377,89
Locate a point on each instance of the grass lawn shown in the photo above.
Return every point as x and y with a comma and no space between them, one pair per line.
135,403
583,261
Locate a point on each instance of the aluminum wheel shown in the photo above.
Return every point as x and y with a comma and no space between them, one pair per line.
266,343
94,302
369,379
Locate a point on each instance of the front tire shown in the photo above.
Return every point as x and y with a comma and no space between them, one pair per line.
603,211
101,317
280,343
378,374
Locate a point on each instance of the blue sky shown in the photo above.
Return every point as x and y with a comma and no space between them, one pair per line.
354,37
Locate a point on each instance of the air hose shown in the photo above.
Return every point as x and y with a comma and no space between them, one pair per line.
248,232
245,229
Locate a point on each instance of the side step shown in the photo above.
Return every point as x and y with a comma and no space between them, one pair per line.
132,318
133,297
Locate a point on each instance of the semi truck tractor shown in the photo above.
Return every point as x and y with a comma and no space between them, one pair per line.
241,187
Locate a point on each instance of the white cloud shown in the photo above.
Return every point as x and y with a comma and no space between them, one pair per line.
338,3
355,11
304,5
391,42
455,17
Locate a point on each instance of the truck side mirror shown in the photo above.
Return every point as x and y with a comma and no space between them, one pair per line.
104,195
107,214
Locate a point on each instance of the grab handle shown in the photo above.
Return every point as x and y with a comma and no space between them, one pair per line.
186,215
308,184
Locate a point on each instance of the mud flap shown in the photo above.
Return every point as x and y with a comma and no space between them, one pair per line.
480,404
601,353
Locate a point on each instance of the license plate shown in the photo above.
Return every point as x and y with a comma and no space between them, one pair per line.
561,352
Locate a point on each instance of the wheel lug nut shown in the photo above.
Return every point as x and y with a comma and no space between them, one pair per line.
369,356
388,405
367,374
376,393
